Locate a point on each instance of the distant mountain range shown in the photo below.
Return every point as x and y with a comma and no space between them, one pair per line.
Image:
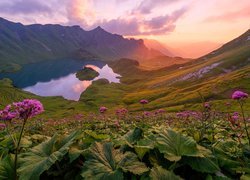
154,44
178,87
21,44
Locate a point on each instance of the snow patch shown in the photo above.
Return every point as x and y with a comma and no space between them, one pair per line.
199,73
248,38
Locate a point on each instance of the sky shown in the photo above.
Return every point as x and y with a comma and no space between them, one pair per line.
187,27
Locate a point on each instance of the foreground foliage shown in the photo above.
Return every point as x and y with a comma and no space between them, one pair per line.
148,153
153,145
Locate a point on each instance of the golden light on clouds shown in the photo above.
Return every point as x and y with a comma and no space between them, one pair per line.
81,11
175,23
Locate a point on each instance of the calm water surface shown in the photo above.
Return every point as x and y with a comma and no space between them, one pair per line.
58,78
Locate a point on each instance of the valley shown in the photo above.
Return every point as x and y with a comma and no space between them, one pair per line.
88,104
175,87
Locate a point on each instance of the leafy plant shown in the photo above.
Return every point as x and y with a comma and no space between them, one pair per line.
40,158
105,162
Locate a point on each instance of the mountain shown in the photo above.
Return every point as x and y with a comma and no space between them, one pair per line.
162,61
178,87
153,44
20,44
241,41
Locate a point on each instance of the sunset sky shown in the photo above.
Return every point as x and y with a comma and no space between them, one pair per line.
189,27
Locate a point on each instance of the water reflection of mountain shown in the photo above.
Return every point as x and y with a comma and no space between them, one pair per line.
45,71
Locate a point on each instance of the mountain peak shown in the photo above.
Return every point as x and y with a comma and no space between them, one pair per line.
99,29
4,20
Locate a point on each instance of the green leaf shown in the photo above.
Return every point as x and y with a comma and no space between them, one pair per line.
174,145
74,152
141,151
26,142
105,162
204,165
245,177
7,168
159,173
143,146
40,158
133,136
130,163
96,136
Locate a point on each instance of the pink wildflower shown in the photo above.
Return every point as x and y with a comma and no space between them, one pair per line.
28,108
144,101
8,113
2,126
235,116
239,95
207,105
103,109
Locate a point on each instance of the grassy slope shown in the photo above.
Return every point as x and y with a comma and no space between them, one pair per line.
162,89
158,86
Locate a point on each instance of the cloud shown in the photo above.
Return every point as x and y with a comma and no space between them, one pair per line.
80,12
137,26
230,16
24,7
146,6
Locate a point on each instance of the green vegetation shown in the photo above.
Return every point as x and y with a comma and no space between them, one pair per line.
86,74
204,144
20,44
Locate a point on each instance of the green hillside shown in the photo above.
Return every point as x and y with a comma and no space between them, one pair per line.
175,88
179,86
22,44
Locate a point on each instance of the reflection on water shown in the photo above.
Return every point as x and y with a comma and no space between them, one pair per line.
69,86
47,82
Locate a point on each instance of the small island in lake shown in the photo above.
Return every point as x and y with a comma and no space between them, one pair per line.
86,74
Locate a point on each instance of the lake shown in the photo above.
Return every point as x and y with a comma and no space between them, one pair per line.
58,77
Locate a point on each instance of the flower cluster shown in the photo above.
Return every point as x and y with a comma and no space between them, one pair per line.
187,114
144,101
121,112
28,108
207,105
2,126
239,95
160,111
147,113
25,109
8,113
103,109
235,116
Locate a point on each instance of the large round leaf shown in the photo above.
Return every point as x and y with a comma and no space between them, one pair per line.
174,145
105,162
159,173
40,158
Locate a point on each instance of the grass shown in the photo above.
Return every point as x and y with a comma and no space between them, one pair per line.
86,74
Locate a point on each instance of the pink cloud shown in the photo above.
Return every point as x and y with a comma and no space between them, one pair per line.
146,6
231,16
80,12
24,7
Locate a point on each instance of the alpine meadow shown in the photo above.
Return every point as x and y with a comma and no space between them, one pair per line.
124,90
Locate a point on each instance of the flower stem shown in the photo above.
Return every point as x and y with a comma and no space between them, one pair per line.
244,120
17,148
8,132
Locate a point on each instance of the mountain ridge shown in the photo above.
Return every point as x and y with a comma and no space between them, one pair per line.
20,44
